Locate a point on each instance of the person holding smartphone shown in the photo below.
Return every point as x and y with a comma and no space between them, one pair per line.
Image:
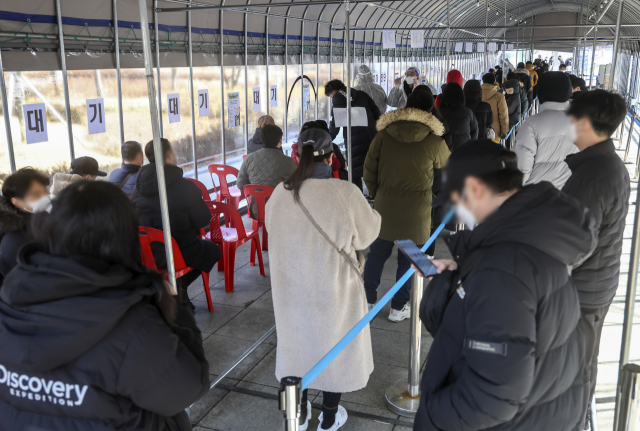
508,349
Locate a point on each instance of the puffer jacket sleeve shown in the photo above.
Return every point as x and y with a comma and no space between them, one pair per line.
503,115
395,96
473,126
243,175
164,369
499,359
489,119
365,221
526,148
371,163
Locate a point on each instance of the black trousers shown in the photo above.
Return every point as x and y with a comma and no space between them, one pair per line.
593,319
330,401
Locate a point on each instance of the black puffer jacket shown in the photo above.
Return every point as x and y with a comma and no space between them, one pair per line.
91,352
600,181
514,103
15,231
187,212
508,354
482,110
462,123
361,136
255,143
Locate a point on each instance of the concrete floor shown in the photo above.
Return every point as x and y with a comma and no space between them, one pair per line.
246,399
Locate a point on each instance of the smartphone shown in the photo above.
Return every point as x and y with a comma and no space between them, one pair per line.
415,256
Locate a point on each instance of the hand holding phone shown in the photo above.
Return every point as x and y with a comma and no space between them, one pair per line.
416,257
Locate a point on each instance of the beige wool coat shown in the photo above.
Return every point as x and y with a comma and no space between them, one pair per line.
317,296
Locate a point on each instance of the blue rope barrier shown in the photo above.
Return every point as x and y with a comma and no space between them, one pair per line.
342,344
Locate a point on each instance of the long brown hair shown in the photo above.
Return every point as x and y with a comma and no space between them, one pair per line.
304,170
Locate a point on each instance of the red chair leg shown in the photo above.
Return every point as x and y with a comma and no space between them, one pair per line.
265,239
229,266
257,241
207,290
252,260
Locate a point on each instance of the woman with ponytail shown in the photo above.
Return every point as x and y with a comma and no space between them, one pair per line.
316,224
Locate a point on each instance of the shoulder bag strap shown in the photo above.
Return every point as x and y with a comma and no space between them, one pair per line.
323,233
121,185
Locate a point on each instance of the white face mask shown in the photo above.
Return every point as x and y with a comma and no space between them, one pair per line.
465,216
409,80
41,205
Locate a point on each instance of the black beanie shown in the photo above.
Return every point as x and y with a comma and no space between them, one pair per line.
554,87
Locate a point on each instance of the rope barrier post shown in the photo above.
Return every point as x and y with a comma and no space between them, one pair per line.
402,398
629,409
289,398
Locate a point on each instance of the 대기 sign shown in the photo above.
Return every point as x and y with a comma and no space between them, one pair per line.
174,107
95,116
273,96
256,98
35,122
203,103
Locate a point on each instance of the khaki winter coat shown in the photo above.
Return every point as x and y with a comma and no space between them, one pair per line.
399,172
499,107
317,296
62,180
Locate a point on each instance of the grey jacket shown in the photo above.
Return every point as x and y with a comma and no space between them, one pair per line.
266,167
364,82
543,143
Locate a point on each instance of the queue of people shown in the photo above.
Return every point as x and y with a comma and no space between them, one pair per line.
516,335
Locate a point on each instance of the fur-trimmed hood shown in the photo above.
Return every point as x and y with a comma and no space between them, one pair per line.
413,115
11,218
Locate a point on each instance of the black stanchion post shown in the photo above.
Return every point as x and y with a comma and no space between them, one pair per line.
289,397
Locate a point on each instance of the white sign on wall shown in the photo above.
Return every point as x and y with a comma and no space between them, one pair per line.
203,103
417,39
174,107
510,47
95,116
273,96
35,121
389,39
458,46
256,98
493,46
480,47
306,96
233,106
468,47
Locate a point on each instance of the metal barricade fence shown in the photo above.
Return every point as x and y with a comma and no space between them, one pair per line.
291,388
629,409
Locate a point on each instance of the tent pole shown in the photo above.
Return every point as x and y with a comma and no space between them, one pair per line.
246,84
194,99
157,145
593,58
317,66
222,116
301,74
286,76
118,77
616,45
7,118
157,43
266,58
65,83
347,20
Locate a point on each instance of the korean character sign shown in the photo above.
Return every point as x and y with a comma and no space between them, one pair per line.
256,98
95,116
174,107
35,121
273,96
233,107
203,103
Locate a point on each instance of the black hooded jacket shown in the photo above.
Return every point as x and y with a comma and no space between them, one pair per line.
15,231
508,348
361,136
90,350
482,110
255,143
514,102
600,181
462,123
187,212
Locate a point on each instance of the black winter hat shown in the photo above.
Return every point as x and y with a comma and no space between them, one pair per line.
554,87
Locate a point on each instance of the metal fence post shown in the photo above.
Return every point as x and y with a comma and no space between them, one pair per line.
289,398
7,118
403,398
629,139
118,78
157,146
194,99
629,408
65,84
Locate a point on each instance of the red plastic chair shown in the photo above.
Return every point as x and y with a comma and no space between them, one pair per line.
231,239
260,194
229,195
147,236
205,193
244,157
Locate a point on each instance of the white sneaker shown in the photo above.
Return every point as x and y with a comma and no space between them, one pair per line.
371,306
341,418
400,315
305,425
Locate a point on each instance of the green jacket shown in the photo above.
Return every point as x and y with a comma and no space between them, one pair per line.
398,172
